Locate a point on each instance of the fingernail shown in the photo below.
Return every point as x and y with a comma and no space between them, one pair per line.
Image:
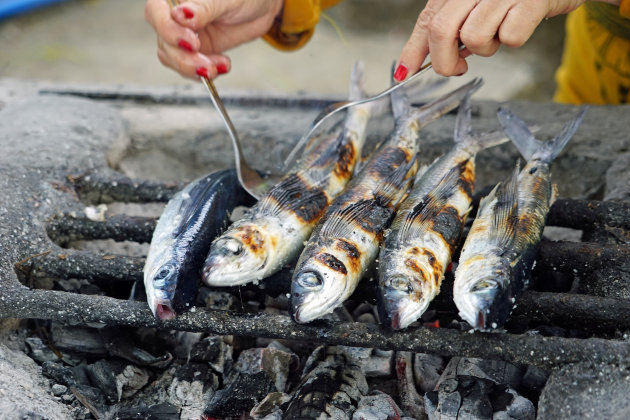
222,68
188,14
401,73
184,45
460,74
202,71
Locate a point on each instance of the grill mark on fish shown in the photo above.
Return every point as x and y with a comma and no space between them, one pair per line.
346,162
252,239
351,251
466,182
298,196
447,224
332,262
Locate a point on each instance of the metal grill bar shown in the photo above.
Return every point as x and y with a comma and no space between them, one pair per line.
535,350
96,188
67,228
578,214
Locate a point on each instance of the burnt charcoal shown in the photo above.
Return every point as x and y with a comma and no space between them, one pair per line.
58,390
214,351
223,301
64,375
427,369
332,388
102,375
162,411
377,406
586,391
130,381
275,360
120,343
82,340
366,318
183,344
497,371
508,404
39,351
549,331
411,402
271,405
243,392
373,363
534,380
192,386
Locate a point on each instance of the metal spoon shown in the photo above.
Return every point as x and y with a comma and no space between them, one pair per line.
249,179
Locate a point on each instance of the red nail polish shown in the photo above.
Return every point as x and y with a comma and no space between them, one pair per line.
203,72
188,14
460,74
184,45
401,73
222,68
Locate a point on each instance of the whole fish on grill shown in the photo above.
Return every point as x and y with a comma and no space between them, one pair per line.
182,237
273,232
347,239
498,254
428,226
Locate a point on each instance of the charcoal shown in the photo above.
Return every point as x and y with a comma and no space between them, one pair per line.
130,381
162,411
274,360
222,301
508,404
372,362
184,343
427,369
121,344
82,340
102,375
377,406
270,406
39,351
367,318
497,371
58,390
534,379
192,386
586,391
412,403
212,350
332,388
243,392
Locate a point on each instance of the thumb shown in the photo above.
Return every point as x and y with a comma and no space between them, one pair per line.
195,14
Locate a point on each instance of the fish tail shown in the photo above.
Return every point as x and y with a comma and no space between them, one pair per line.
463,129
440,106
400,103
528,145
357,82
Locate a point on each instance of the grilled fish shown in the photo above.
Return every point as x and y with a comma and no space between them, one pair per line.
498,254
428,227
346,241
275,229
182,237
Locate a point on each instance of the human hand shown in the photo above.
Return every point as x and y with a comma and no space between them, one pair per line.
193,35
480,25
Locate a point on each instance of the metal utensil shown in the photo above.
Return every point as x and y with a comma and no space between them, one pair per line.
336,107
249,179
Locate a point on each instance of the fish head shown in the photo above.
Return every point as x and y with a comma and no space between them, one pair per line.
161,281
400,300
486,300
316,291
236,258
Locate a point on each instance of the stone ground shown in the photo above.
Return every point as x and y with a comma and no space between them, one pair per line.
107,42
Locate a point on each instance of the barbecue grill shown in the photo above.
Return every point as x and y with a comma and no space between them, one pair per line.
45,200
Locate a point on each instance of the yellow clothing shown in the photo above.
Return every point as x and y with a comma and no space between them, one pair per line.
595,65
296,24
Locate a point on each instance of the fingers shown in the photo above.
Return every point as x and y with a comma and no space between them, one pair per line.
195,14
479,31
192,64
520,22
158,14
417,47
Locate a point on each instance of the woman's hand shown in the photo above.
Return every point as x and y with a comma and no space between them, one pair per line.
193,36
481,25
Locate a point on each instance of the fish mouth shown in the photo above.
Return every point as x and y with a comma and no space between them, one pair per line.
231,265
164,312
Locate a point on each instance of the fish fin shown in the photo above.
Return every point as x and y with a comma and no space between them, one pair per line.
283,196
554,194
338,223
506,211
440,106
357,82
426,210
464,134
550,149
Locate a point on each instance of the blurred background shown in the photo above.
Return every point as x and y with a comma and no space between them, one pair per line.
108,42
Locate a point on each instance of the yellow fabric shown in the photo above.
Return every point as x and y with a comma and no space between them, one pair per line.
296,23
624,8
595,65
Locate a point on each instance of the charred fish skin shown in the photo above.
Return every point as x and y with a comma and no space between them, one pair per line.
346,241
274,231
182,237
499,252
428,227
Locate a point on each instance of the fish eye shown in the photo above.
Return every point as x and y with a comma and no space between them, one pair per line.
484,285
165,270
310,280
234,246
399,283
